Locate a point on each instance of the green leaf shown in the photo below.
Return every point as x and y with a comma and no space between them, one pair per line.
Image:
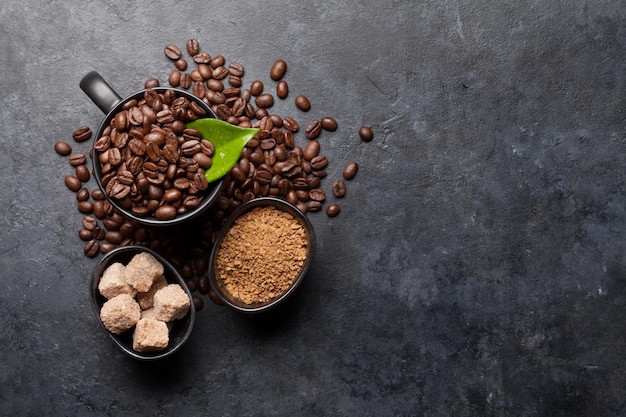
229,140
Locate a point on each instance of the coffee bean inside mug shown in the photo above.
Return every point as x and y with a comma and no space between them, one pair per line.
146,151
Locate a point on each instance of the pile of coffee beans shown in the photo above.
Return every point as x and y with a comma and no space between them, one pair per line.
273,163
149,162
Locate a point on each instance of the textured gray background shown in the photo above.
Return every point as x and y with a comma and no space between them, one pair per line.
478,267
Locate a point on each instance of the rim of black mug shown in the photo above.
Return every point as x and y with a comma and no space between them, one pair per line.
210,195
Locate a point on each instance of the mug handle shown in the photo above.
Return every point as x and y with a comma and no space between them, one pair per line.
100,92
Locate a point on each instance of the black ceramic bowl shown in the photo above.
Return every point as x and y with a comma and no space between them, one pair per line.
181,329
223,294
111,103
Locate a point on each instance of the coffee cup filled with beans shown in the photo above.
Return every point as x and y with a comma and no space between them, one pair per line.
149,165
261,255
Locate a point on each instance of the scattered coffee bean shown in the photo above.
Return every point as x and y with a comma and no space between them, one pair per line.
313,130
82,134
172,52
202,58
303,103
328,123
264,100
152,83
256,87
82,194
311,150
282,89
193,47
92,248
332,210
339,188
62,148
366,133
77,159
278,70
73,183
350,170
85,207
181,64
82,173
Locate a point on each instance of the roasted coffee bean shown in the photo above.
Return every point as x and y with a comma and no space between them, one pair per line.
366,133
152,83
264,100
174,78
193,47
73,183
311,150
220,73
317,194
85,234
106,247
62,148
77,159
350,170
98,233
236,69
172,52
97,194
181,64
256,88
102,144
290,124
85,207
196,76
217,61
339,188
81,134
313,205
203,160
235,81
82,173
332,210
328,123
82,194
114,236
319,162
292,197
185,80
99,209
92,248
165,212
303,103
89,223
205,71
278,70
202,58
282,89
313,130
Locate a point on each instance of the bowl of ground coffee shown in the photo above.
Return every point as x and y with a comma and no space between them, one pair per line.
146,161
261,255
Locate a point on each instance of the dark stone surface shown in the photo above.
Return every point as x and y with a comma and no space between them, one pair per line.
478,266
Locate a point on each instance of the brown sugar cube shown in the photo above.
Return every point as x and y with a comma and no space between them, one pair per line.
120,313
148,313
142,271
150,335
113,282
171,303
145,299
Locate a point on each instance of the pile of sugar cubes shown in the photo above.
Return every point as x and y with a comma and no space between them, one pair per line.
138,296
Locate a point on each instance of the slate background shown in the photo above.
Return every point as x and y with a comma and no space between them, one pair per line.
478,266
